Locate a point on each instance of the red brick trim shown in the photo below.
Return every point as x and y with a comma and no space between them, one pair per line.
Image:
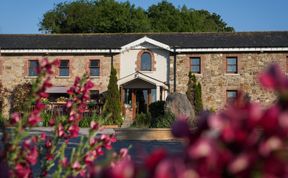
138,61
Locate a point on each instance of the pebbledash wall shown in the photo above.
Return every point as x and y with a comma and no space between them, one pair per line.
165,48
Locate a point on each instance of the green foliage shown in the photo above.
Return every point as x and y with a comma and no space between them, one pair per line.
2,121
87,16
163,121
198,99
157,108
142,120
20,97
194,93
46,117
112,106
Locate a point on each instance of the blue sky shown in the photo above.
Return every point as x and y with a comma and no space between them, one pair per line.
23,16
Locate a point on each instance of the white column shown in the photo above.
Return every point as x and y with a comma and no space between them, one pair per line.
158,93
164,95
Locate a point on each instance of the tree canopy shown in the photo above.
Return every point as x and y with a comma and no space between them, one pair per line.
110,16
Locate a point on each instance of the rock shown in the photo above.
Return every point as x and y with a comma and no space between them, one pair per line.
179,105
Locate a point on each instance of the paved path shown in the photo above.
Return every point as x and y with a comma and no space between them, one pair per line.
139,148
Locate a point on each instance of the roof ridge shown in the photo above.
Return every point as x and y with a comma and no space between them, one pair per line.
142,33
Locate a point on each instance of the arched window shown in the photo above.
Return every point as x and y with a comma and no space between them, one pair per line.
146,62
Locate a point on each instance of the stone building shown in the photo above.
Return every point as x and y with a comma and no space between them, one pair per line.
149,66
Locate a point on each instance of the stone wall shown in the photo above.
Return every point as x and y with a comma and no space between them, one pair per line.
14,70
215,81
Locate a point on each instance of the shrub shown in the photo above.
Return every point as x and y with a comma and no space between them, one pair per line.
157,109
163,121
142,120
112,106
194,93
21,152
20,98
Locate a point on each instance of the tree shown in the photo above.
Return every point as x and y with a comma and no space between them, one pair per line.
112,106
194,93
110,16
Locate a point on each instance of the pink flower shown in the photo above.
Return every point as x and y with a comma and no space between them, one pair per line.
43,136
154,159
51,122
49,156
274,79
89,158
94,125
15,118
34,119
48,143
74,130
88,85
22,170
76,165
32,156
60,130
239,164
124,153
64,162
69,104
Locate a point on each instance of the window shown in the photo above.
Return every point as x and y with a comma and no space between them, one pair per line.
64,68
33,67
196,65
94,67
231,65
231,95
146,62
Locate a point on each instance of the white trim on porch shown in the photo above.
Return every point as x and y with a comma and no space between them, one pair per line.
143,40
139,75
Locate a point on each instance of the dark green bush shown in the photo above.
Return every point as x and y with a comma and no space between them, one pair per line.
164,121
112,107
142,120
157,109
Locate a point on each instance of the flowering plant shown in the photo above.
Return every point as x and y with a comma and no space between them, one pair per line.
21,151
243,140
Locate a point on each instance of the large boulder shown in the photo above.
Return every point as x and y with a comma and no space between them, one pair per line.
179,105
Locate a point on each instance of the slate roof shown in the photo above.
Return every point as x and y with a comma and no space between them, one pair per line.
115,41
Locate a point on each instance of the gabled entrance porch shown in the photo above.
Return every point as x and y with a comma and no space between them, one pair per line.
138,91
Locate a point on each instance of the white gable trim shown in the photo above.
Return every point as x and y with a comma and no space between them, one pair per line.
138,75
147,40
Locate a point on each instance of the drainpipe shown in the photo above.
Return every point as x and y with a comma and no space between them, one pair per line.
112,57
174,67
168,73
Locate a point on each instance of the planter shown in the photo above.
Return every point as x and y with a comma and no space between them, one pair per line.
110,126
144,134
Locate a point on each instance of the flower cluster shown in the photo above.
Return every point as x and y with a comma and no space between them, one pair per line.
242,140
21,151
